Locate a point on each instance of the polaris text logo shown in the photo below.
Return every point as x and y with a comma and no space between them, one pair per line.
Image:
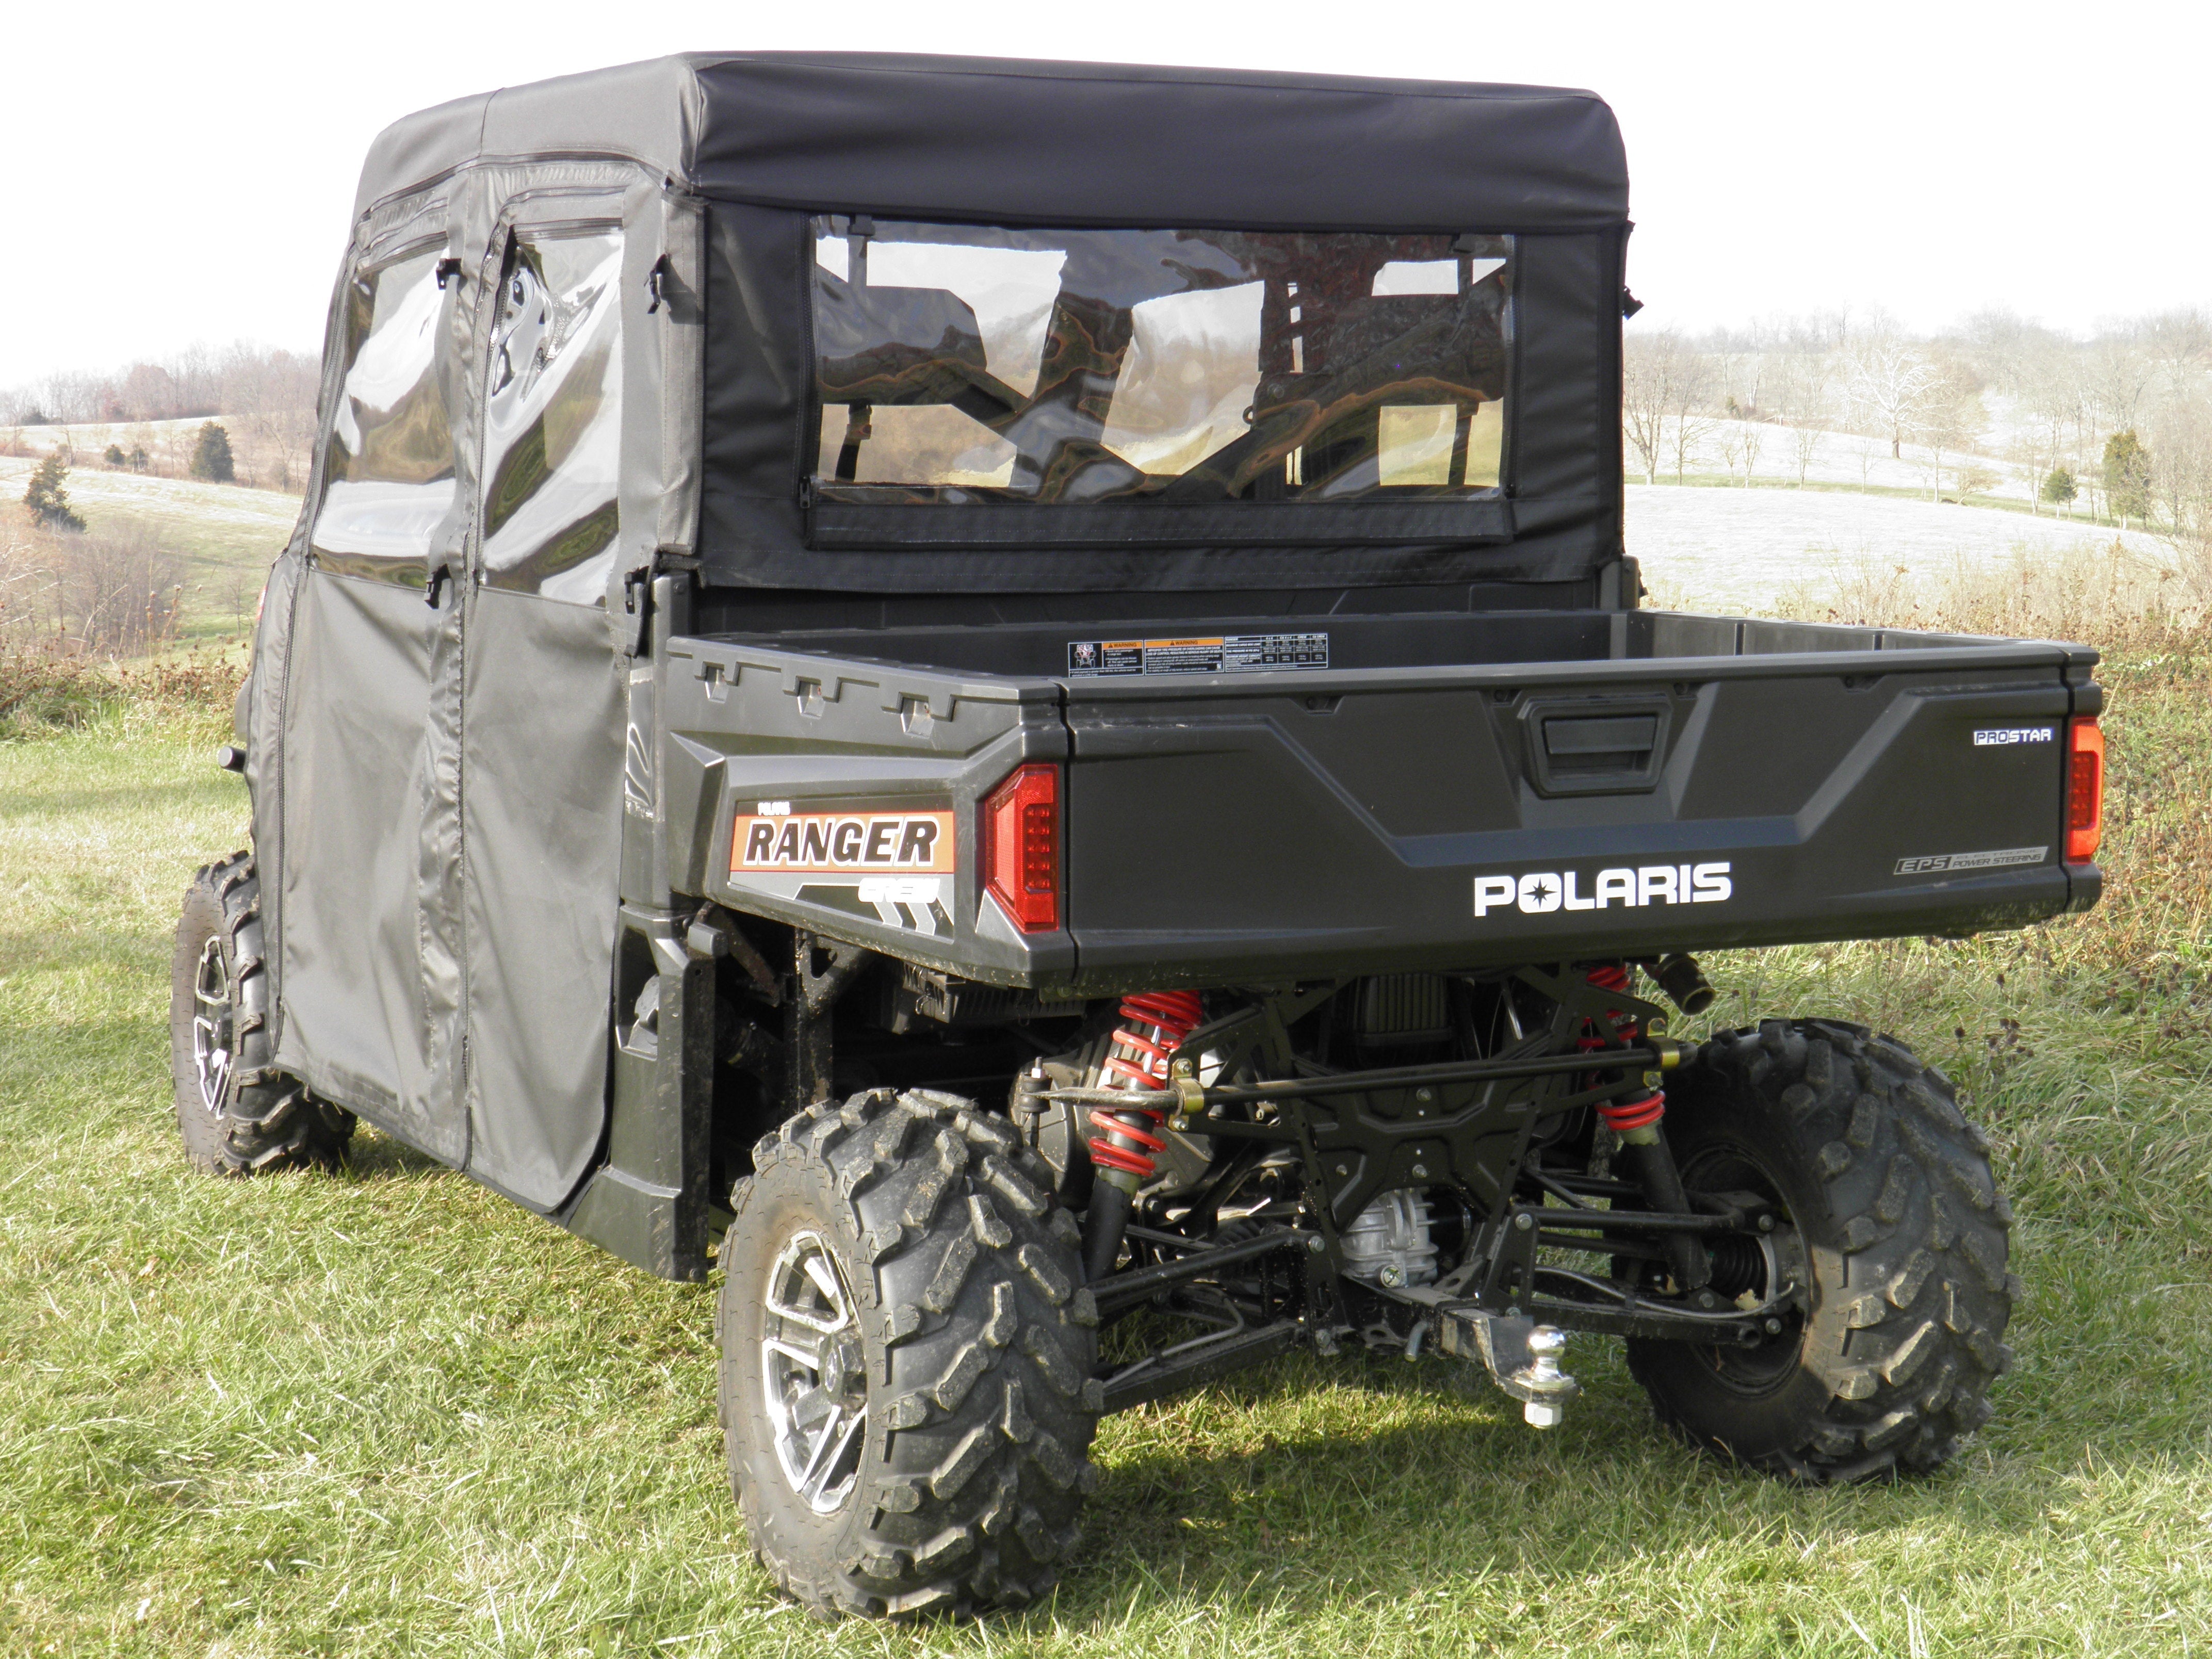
1998,737
1541,891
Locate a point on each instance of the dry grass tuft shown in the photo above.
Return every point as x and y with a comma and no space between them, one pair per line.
48,685
2122,601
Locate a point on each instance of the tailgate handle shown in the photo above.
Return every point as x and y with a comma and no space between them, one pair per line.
1596,746
1630,737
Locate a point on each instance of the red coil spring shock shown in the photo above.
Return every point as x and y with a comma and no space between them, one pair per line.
1637,1123
1152,1025
1622,1116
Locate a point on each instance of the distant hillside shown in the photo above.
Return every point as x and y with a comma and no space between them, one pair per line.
225,536
269,452
1753,550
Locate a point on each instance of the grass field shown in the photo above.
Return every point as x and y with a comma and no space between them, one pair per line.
226,535
384,1412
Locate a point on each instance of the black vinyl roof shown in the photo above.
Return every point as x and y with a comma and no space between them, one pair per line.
1001,140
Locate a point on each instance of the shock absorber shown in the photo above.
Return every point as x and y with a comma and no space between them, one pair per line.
1124,1138
1636,1121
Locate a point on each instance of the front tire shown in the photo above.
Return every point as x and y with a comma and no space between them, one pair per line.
1899,1239
907,1351
237,1113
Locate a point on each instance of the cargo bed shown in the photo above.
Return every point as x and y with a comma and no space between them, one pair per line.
1270,798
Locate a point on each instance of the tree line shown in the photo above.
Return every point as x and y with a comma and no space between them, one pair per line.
265,396
2117,424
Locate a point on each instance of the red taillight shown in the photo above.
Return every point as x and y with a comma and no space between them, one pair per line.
2085,790
1020,836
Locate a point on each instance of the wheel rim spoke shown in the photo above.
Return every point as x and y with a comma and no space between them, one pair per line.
825,1278
806,1476
810,1357
815,1380
213,1027
811,1487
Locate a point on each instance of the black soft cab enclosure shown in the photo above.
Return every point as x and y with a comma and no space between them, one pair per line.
1015,688
842,340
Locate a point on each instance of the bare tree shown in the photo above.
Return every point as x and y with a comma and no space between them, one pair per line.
2051,397
1729,440
2003,347
271,396
1688,422
1650,366
1753,439
1891,379
148,392
1742,376
1949,417
2180,342
2121,371
1804,396
117,589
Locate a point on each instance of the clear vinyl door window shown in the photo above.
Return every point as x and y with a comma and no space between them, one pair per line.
388,478
972,364
553,417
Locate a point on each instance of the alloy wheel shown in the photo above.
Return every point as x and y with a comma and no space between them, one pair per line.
816,1373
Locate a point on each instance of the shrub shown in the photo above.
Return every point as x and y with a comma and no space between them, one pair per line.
49,684
2127,476
48,499
211,457
117,589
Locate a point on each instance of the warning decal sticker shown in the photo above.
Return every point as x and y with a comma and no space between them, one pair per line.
1230,653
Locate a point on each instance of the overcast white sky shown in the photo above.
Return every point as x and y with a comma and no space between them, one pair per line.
180,174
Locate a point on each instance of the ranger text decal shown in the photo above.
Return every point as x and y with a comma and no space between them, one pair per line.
855,843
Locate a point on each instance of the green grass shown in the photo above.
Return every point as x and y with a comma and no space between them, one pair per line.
386,1411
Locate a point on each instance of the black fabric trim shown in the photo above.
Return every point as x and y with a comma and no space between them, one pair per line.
1019,143
750,541
1005,140
834,525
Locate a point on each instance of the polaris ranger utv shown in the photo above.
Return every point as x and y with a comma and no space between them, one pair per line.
1007,697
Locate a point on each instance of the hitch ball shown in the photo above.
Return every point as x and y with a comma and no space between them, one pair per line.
1544,1405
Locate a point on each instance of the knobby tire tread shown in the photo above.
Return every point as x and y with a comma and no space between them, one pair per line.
1907,1343
969,1271
271,1120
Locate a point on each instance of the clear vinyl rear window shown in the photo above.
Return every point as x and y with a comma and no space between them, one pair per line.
967,364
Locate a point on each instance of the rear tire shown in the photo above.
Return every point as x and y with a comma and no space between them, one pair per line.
1889,1193
907,1351
237,1113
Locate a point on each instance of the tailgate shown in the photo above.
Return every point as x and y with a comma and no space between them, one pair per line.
1278,824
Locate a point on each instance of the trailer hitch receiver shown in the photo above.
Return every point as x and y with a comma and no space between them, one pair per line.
1522,1357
